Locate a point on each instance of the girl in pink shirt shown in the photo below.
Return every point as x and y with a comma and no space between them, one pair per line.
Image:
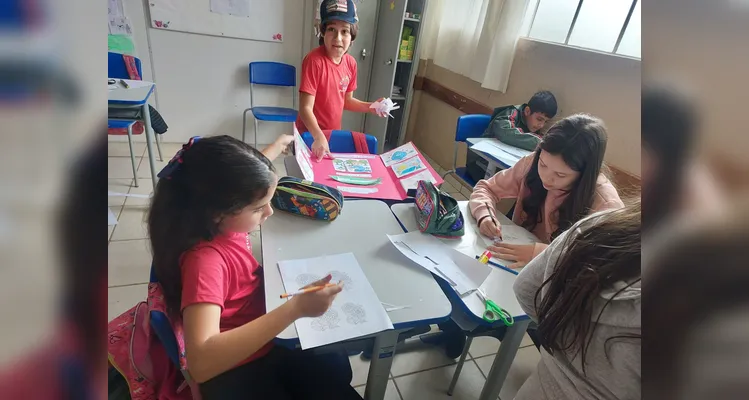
211,194
556,186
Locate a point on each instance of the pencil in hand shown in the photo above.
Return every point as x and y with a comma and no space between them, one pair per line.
310,289
494,219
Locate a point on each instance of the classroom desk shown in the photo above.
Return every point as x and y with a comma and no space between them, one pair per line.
137,97
467,312
360,229
495,164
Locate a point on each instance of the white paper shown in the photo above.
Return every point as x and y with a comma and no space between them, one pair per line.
413,180
112,220
384,106
302,156
352,165
512,234
356,189
237,8
501,151
399,154
414,164
114,8
355,312
449,264
120,26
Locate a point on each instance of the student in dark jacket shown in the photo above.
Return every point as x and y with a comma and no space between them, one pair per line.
520,126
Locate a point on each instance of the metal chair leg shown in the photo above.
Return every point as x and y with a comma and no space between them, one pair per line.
444,175
255,132
132,155
158,146
461,361
244,122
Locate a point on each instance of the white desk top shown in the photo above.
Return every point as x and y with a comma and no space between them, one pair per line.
137,94
360,229
498,286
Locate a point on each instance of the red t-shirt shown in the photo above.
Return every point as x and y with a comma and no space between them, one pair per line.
329,83
224,272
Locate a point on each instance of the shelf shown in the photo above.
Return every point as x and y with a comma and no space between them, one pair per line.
405,61
411,19
397,97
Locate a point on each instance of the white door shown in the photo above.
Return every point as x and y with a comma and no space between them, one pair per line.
389,27
361,49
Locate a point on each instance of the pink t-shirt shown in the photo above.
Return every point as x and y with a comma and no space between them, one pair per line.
224,272
329,83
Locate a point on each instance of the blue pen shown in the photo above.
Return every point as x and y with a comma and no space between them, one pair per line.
494,264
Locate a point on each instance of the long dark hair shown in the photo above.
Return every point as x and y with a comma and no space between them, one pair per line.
218,176
604,250
581,141
669,129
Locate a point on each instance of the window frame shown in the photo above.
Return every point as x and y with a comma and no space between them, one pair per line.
572,27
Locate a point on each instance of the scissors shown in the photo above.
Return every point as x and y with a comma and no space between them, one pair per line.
494,312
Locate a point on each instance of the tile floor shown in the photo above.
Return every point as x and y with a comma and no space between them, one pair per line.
419,371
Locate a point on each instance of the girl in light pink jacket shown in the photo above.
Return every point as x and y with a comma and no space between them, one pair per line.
556,186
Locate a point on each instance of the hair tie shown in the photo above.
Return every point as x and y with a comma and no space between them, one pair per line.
176,161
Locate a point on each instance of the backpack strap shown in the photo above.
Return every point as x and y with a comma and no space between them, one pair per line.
360,142
132,70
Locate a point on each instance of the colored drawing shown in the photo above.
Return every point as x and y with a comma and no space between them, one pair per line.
399,154
352,165
407,167
121,44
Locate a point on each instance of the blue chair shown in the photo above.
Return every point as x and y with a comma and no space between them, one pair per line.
160,324
342,142
116,69
469,126
272,74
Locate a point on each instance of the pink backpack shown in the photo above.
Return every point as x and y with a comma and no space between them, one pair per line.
136,352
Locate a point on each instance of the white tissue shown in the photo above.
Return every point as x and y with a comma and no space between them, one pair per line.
384,106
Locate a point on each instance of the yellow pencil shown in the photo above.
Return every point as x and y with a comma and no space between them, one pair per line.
308,290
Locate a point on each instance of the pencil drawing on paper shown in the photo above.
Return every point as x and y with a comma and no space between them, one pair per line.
305,279
337,276
329,320
355,313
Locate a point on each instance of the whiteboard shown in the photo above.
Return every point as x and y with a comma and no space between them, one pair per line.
243,19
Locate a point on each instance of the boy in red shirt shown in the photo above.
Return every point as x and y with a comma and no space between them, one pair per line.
329,76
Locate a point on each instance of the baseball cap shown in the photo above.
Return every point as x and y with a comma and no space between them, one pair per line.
341,10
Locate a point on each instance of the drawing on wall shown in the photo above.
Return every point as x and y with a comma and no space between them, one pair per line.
355,313
325,322
361,309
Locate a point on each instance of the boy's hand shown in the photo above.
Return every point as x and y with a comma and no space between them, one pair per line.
489,229
375,111
316,303
320,148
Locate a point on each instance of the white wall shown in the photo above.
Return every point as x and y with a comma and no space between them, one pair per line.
202,83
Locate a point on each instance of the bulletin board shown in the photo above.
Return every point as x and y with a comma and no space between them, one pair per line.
243,19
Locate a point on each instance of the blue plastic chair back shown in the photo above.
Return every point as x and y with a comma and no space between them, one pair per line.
272,73
471,126
160,324
117,69
342,142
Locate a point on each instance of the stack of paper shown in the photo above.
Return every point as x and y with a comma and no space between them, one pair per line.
355,312
462,272
501,151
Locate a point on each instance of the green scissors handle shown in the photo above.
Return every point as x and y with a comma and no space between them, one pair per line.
494,312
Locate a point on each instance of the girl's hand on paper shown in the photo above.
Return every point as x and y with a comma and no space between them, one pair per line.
283,143
522,254
490,229
320,148
316,303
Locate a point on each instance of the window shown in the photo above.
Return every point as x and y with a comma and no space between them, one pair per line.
611,26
